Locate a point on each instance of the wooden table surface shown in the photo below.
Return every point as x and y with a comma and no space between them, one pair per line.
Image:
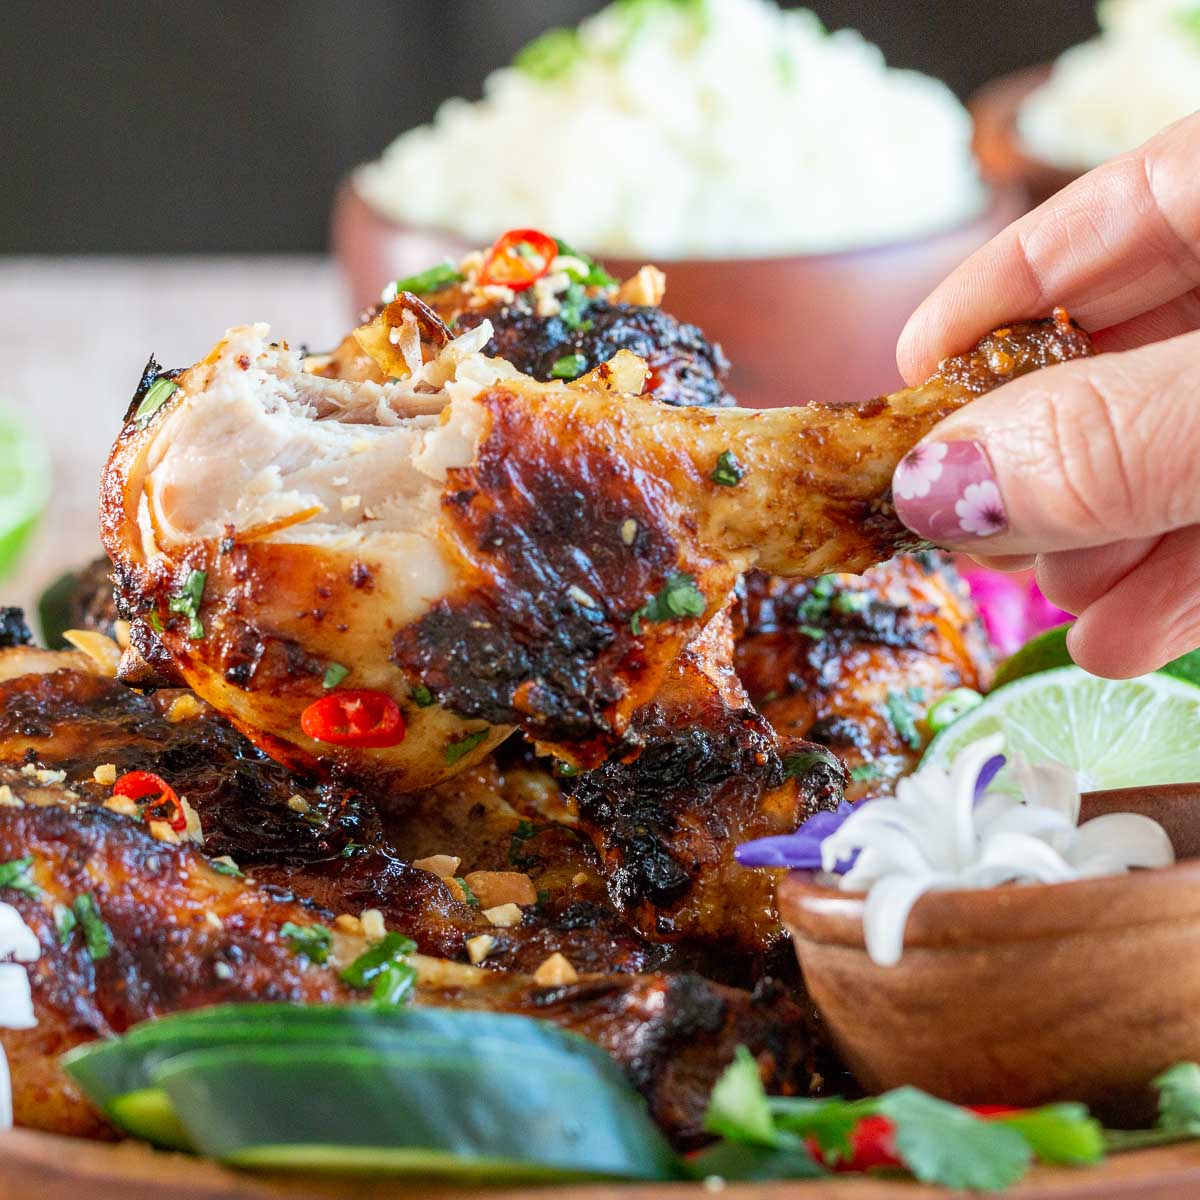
76,332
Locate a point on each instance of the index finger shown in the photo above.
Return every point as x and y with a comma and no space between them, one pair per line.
1120,241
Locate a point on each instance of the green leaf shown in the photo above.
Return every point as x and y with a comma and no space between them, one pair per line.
903,719
96,935
1059,1134
433,280
742,1162
15,875
570,366
188,600
157,394
1179,1097
738,1106
728,472
550,56
465,745
679,597
311,941
942,1143
334,674
392,947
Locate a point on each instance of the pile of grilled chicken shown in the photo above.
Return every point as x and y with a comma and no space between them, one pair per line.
627,626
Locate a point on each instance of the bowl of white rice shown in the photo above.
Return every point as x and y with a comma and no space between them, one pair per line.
801,195
1099,99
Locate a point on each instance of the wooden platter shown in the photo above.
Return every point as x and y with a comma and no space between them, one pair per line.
47,1167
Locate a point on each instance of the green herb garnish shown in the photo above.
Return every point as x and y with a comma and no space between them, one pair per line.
155,622
350,849
549,56
865,771
432,280
903,719
465,745
311,941
571,306
468,895
226,866
158,393
422,695
16,875
96,935
570,366
728,472
813,631
516,846
847,603
679,597
384,966
594,276
816,604
188,602
334,674
64,923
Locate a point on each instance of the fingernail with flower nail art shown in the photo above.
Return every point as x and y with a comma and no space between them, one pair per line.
946,492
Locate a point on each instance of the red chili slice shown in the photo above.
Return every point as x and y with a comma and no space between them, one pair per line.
354,718
160,803
518,259
872,1144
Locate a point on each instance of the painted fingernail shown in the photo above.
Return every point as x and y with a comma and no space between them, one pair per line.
946,492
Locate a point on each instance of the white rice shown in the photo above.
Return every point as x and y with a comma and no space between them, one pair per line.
1110,94
713,128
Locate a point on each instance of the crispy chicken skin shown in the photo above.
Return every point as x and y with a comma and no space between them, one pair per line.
485,535
845,660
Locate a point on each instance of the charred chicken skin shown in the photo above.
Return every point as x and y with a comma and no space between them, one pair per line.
521,553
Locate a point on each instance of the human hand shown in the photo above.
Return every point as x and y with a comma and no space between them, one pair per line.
1089,471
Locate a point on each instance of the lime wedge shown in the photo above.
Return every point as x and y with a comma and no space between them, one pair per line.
1049,650
24,486
1114,732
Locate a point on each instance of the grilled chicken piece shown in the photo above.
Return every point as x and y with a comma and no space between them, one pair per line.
535,554
855,662
165,932
712,774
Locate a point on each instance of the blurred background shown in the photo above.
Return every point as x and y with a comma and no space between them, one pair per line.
209,127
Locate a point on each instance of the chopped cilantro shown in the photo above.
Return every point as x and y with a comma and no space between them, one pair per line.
465,745
850,602
432,280
158,393
383,965
549,56
334,674
596,275
812,631
903,719
468,895
816,604
96,935
310,941
571,306
865,771
728,472
422,695
570,366
64,923
15,875
679,597
226,866
188,602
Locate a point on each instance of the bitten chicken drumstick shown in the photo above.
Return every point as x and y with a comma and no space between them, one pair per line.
392,576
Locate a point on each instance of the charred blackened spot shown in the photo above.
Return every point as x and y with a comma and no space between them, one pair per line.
360,575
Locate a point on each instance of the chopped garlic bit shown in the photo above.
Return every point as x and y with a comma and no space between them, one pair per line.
192,830
123,805
44,777
163,832
349,502
212,919
8,799
121,633
629,528
493,888
105,774
555,972
299,804
444,866
102,650
579,879
223,971
479,947
645,289
185,708
346,923
373,925
581,597
503,916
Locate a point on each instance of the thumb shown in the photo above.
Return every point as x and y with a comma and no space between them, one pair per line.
1082,454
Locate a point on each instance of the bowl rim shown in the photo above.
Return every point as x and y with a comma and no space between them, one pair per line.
1007,198
964,918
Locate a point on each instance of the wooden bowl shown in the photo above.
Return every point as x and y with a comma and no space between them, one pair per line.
1023,994
1002,158
799,328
